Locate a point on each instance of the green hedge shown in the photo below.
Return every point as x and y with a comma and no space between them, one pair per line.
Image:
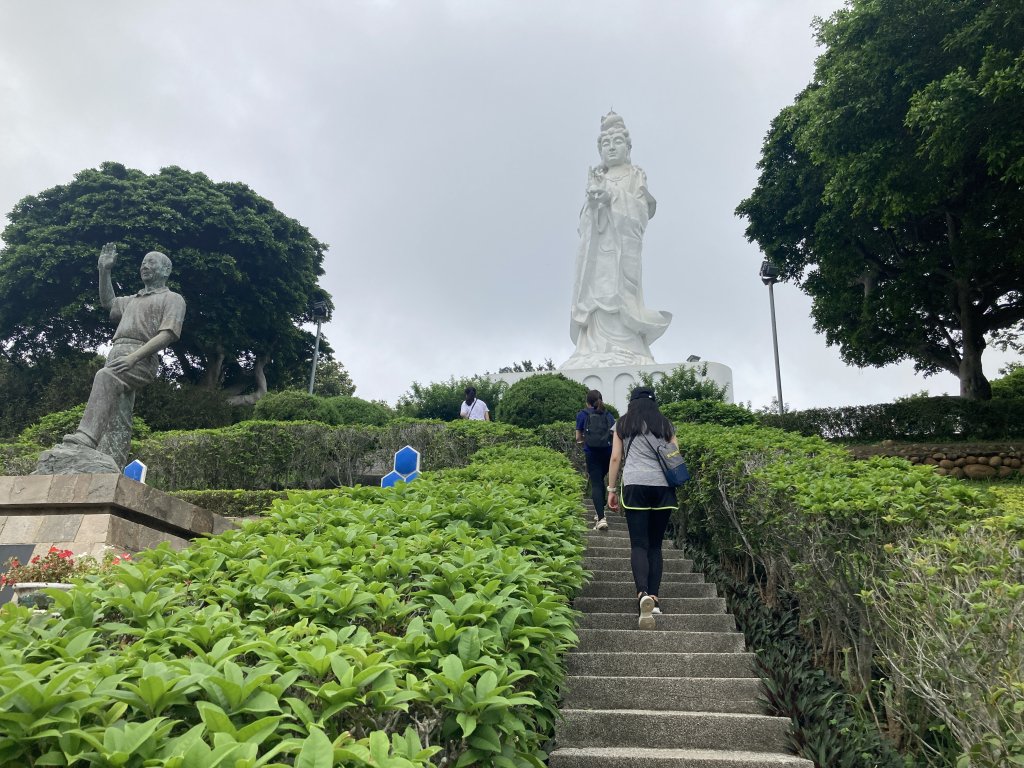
397,628
917,419
796,515
257,455
543,398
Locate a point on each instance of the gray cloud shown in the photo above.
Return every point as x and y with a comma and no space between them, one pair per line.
441,148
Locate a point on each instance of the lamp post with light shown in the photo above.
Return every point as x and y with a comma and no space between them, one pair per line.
769,275
319,314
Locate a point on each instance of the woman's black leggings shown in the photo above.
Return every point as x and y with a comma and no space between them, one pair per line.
598,460
646,533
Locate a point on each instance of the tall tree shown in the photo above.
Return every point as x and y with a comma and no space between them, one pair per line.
892,190
248,272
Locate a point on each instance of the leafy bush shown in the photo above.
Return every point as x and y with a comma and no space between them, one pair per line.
963,651
355,410
918,418
1010,386
168,405
294,405
708,412
684,382
542,399
50,429
798,516
398,628
442,400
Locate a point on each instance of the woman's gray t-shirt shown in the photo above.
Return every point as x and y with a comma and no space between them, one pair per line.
642,467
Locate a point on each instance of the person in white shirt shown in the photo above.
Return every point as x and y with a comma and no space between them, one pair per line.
474,408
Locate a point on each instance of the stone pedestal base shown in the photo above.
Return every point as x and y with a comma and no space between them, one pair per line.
90,514
616,383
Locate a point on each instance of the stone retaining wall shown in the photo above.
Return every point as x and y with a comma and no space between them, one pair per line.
975,462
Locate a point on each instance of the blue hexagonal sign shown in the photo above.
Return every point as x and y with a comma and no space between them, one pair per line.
136,471
407,468
407,461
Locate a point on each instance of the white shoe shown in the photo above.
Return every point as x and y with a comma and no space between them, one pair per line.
602,525
646,612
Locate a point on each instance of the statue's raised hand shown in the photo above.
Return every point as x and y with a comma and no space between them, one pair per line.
108,255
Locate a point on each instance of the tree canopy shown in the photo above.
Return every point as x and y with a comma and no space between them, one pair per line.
892,190
248,272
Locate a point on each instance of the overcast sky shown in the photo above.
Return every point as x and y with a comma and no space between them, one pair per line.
441,150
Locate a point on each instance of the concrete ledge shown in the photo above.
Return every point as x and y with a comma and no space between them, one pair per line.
90,514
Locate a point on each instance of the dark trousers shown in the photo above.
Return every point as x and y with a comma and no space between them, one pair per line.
646,534
597,469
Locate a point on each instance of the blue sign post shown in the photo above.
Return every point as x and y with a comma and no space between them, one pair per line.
406,468
136,471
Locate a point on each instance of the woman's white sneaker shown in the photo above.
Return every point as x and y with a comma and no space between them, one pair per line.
647,606
602,525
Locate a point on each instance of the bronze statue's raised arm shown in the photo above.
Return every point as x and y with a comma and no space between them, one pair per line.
108,255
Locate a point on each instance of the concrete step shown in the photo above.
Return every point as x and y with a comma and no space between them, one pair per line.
599,562
689,694
627,588
621,550
623,573
658,641
666,578
635,757
671,730
672,664
668,604
682,622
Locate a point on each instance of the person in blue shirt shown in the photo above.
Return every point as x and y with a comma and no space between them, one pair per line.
594,426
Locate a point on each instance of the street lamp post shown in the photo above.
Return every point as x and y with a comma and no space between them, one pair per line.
770,276
319,314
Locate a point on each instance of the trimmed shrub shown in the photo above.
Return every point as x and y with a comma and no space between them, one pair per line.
276,455
442,400
542,399
355,410
294,405
914,419
708,412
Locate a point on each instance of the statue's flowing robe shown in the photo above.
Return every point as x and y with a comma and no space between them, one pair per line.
609,323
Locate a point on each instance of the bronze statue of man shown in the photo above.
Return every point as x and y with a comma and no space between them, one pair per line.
147,322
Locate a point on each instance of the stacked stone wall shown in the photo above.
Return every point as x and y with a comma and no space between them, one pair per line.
973,462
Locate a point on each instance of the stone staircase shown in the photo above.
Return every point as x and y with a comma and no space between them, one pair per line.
682,695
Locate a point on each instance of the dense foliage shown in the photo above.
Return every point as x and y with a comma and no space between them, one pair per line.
293,642
294,405
892,190
542,399
247,271
915,419
708,412
31,390
855,542
1010,386
684,382
443,399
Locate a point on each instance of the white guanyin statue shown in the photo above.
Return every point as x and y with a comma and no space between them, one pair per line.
610,324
